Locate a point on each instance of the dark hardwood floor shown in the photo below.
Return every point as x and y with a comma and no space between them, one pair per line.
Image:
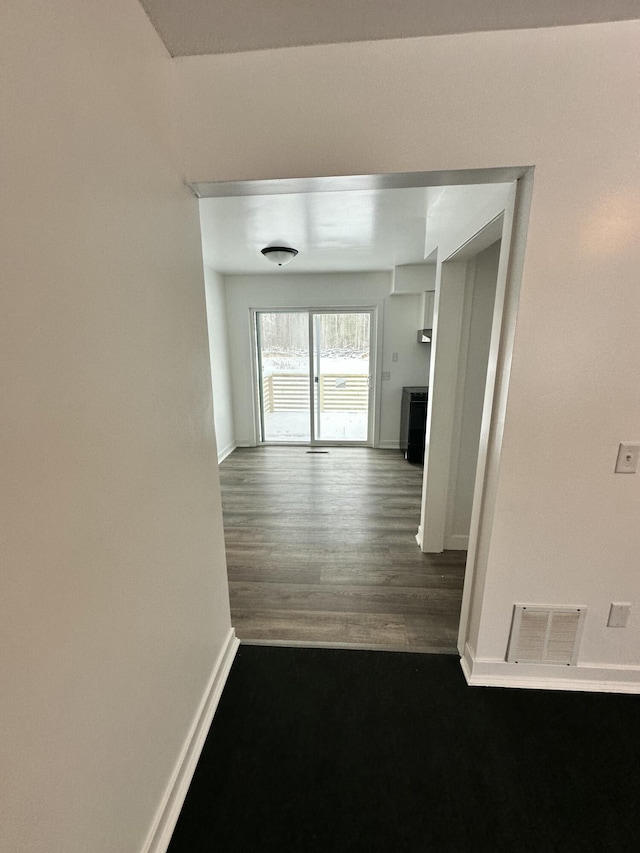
321,550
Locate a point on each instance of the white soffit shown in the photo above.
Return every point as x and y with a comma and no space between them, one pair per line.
457,212
192,27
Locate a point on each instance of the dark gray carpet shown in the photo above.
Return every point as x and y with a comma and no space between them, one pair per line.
331,750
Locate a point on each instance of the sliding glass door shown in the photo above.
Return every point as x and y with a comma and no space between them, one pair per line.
283,374
314,376
341,348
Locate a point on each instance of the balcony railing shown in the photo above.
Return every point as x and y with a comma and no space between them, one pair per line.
289,392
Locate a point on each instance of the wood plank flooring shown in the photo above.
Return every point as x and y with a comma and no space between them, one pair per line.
321,550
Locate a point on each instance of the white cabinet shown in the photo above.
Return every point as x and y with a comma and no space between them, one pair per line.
424,331
428,299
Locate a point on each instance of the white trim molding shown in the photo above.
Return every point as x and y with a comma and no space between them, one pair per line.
456,542
166,817
386,444
510,266
588,677
226,451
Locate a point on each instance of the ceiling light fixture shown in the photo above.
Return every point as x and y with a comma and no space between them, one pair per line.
280,255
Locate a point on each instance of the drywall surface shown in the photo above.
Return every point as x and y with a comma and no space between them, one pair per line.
566,101
220,362
456,214
414,278
479,301
402,319
397,318
114,603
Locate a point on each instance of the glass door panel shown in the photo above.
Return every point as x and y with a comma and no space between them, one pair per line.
283,375
341,354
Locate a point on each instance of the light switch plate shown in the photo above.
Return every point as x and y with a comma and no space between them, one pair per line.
628,458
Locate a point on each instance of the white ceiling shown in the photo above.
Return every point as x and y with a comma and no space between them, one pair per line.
342,231
190,27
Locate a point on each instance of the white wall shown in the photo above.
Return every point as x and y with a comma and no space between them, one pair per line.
455,214
220,362
479,299
402,319
397,322
114,604
564,100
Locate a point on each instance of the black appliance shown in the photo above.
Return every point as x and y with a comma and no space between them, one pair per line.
413,422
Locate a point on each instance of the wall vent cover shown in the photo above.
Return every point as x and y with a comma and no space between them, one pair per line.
545,634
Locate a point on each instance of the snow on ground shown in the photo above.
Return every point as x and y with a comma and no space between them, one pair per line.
348,366
334,426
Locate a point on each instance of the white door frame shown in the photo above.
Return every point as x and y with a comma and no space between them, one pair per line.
450,341
494,413
440,411
501,350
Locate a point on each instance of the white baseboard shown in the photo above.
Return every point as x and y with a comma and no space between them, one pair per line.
419,536
596,678
456,542
226,451
389,445
169,809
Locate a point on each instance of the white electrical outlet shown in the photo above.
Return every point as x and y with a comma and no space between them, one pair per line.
618,615
628,458
386,375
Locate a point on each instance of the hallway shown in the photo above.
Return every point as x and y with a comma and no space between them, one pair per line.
321,550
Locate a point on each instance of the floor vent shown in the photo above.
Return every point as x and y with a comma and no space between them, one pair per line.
317,451
545,634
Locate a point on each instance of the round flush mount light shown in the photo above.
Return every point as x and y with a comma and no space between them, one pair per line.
279,255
